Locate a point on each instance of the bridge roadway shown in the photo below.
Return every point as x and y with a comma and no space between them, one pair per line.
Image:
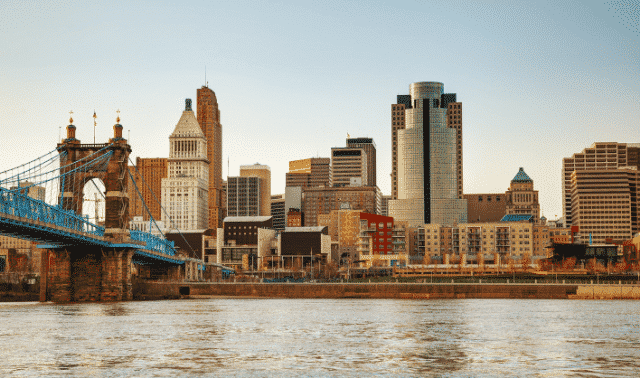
26,218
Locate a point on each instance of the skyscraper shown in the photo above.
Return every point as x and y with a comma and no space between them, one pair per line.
597,157
209,121
369,147
185,191
312,172
264,173
243,196
426,161
148,174
348,163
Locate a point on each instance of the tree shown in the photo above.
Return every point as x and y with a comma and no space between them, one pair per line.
621,266
427,259
481,262
569,264
511,265
526,262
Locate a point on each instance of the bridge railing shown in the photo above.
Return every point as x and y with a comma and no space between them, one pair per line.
20,205
153,242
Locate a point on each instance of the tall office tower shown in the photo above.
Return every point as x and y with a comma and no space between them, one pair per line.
369,147
209,120
598,156
185,191
426,175
313,172
521,198
264,172
243,196
397,123
277,212
454,121
148,174
348,167
604,203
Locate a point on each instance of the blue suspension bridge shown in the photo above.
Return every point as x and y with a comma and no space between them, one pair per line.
42,201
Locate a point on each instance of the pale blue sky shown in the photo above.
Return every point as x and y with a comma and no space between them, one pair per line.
539,81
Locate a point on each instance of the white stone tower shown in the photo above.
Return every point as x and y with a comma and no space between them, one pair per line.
185,191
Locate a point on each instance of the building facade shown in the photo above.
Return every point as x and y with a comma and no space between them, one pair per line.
277,212
148,174
599,156
209,121
486,207
348,163
521,198
264,173
369,148
426,176
312,172
185,190
604,204
318,201
244,196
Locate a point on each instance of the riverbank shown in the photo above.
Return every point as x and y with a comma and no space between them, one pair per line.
165,290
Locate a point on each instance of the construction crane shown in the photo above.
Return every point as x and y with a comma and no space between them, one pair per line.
95,201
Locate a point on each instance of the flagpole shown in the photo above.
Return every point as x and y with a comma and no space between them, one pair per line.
94,126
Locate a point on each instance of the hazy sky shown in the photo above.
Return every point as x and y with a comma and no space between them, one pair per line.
538,80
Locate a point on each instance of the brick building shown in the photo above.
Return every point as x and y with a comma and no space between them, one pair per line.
209,121
316,201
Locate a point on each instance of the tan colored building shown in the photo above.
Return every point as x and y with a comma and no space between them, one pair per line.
316,201
397,123
264,173
148,174
597,157
369,148
312,172
486,207
209,120
348,164
466,241
521,198
604,204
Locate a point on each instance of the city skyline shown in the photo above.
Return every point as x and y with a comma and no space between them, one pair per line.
539,82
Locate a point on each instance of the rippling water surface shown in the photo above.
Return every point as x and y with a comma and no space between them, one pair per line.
308,337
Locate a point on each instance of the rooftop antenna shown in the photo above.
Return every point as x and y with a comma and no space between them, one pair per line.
94,127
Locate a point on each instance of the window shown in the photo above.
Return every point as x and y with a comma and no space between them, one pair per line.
480,198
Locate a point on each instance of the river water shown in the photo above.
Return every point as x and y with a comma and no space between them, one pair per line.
320,337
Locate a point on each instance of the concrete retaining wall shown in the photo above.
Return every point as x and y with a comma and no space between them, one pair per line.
159,290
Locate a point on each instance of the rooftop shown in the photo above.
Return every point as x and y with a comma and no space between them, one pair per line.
305,229
521,176
517,218
262,218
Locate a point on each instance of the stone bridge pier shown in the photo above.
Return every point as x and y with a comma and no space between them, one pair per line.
86,274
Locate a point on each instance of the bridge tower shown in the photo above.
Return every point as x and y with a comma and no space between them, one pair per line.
115,178
87,273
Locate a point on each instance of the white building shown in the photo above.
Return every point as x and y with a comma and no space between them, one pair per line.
185,191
